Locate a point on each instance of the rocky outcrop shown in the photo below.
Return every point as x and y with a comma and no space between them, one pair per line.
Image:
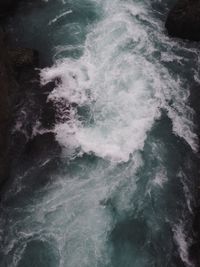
183,20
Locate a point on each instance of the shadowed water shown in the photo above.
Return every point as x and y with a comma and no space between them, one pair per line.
122,191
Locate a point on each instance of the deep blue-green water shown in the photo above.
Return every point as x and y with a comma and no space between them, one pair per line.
123,192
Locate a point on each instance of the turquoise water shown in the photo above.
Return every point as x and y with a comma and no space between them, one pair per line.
123,191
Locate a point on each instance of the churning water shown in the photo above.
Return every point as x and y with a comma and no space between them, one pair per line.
124,191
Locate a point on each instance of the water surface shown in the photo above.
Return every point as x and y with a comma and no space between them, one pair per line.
122,193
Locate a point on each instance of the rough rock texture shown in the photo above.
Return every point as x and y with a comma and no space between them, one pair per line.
183,20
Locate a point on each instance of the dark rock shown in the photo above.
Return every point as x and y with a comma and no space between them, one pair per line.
183,20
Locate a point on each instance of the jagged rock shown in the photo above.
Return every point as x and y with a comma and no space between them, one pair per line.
183,20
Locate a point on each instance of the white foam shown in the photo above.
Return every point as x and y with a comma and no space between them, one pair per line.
121,87
182,243
116,86
59,17
160,178
71,214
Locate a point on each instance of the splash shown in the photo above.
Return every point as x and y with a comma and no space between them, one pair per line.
122,86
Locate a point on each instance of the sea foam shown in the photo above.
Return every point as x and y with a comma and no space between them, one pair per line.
121,84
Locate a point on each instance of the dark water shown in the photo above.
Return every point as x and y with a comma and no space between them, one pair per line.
123,190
